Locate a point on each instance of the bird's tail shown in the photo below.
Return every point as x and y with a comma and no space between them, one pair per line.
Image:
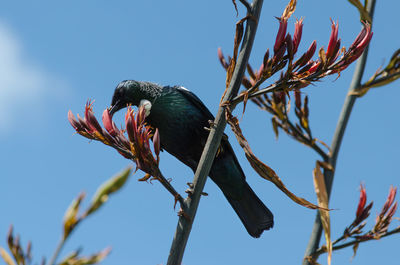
253,213
229,176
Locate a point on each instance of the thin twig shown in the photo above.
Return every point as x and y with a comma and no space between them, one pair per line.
158,175
56,253
322,249
337,140
185,224
379,80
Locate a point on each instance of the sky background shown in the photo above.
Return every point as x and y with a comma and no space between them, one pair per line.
54,55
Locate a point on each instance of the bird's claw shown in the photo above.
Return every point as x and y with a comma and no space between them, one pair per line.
190,190
212,123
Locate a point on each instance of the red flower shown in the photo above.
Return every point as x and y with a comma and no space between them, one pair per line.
109,124
334,43
362,201
298,30
280,37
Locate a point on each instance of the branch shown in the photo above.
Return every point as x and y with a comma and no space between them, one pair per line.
60,246
337,140
377,82
322,249
185,224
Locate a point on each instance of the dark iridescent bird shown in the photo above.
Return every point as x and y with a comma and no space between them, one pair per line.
181,119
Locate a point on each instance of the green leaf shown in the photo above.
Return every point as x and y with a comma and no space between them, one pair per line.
70,216
107,188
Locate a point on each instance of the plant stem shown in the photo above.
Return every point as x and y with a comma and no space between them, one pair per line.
185,224
322,250
60,245
380,80
337,140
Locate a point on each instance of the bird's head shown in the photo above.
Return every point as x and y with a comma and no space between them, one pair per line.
136,93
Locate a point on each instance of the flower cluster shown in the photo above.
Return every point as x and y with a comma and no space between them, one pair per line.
135,147
278,104
298,74
303,71
20,255
362,214
382,222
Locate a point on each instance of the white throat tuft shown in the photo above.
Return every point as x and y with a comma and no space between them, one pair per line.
147,106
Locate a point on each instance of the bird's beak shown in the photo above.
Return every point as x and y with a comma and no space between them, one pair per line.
114,108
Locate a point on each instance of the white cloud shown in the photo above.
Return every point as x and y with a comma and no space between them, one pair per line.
22,83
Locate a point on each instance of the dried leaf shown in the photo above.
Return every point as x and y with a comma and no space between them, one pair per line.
364,15
262,169
322,196
145,178
289,10
322,56
237,41
355,248
6,257
323,143
234,3
275,127
325,165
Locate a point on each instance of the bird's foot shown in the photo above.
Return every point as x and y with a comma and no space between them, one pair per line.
190,190
212,123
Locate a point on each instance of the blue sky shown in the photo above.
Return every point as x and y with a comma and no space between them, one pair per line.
55,55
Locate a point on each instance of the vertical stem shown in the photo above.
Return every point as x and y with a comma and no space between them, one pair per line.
337,140
59,247
185,223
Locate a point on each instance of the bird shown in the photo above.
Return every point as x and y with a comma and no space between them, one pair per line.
182,120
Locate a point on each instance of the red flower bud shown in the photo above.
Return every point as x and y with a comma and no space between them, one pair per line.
332,40
362,201
389,200
298,30
131,128
314,67
279,54
71,118
305,58
91,119
289,46
280,37
108,123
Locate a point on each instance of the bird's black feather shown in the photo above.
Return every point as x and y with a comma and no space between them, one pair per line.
181,118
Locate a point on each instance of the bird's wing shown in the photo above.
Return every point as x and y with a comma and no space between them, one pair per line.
196,102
